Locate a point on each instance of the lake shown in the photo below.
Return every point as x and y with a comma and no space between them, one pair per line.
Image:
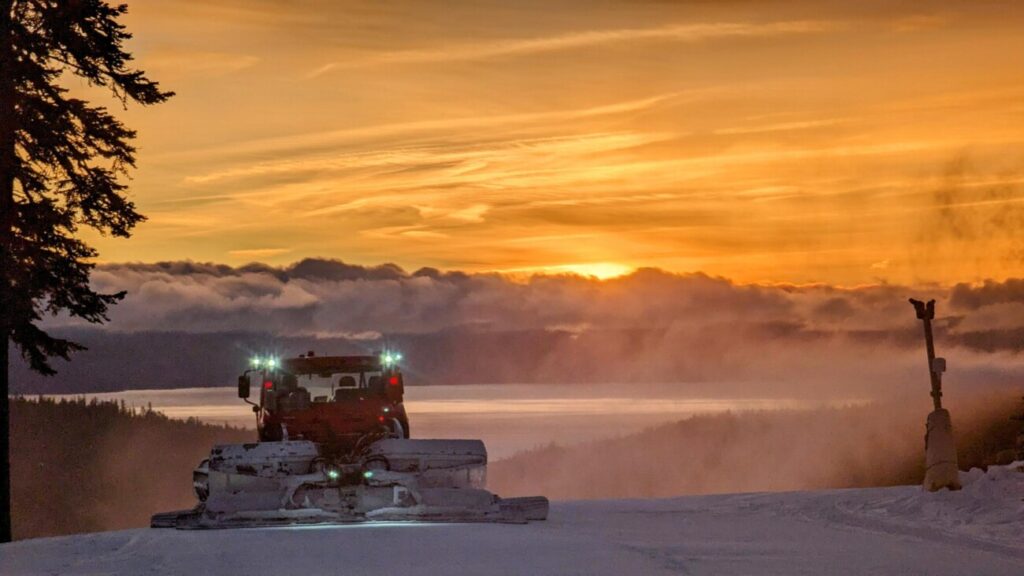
507,417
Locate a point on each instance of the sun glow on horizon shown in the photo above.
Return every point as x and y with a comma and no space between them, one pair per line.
598,270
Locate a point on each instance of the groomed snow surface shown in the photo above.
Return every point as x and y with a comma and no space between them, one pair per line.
976,531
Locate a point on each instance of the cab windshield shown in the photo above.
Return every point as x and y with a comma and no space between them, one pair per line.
336,386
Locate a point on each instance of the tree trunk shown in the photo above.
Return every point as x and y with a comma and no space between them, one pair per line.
8,161
5,445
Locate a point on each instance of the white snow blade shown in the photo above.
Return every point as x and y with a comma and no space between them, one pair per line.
295,482
437,463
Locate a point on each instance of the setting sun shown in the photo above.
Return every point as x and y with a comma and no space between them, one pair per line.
599,270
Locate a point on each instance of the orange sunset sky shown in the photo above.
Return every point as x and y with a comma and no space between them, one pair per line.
793,141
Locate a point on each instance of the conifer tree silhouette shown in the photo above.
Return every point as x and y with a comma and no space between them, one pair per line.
61,160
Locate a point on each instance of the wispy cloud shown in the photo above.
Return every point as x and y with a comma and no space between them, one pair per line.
474,213
170,63
258,253
577,40
782,126
919,22
320,139
450,159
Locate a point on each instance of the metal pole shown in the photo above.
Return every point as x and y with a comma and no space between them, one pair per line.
941,469
926,312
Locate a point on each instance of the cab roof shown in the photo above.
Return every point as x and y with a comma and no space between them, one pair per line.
332,364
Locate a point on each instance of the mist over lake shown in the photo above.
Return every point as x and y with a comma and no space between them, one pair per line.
508,417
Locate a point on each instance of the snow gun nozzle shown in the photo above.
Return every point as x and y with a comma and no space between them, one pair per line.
924,311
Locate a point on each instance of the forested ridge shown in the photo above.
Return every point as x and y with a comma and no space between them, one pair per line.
81,466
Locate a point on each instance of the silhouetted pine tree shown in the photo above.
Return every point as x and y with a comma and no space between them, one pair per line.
60,161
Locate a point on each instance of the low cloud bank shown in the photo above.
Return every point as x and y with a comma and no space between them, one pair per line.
186,323
331,298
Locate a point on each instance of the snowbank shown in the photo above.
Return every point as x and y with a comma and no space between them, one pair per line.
978,530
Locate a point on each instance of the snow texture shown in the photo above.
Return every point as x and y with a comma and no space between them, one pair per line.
978,530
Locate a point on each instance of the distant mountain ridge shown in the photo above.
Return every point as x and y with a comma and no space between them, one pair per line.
763,360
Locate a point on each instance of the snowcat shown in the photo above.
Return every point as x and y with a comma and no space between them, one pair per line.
334,447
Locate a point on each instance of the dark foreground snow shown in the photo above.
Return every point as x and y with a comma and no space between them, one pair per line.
977,531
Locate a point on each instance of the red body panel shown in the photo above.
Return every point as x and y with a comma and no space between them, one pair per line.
286,408
332,422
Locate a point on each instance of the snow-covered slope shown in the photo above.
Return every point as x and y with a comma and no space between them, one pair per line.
977,531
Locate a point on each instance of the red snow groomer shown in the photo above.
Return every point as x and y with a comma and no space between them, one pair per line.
334,447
